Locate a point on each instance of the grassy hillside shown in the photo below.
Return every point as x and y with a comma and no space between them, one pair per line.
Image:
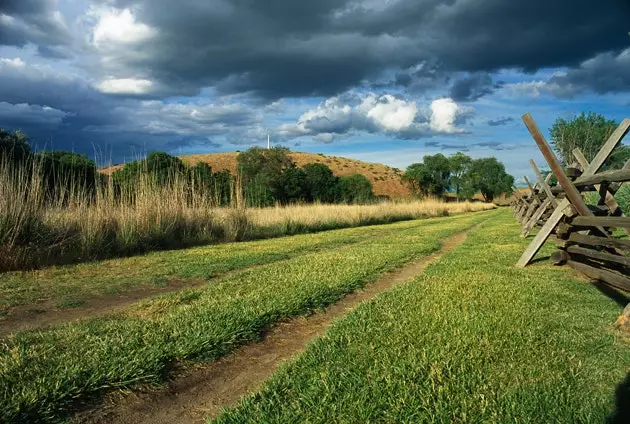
385,180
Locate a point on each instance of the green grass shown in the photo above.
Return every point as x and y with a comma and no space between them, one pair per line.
43,373
472,340
74,282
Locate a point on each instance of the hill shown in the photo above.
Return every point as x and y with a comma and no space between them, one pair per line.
385,179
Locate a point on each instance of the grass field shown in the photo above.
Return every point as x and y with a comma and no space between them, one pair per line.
43,373
70,225
474,339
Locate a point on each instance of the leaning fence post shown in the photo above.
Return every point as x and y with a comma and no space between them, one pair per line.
564,205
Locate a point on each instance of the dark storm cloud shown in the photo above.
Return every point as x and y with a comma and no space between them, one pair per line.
286,48
62,111
503,120
32,21
472,87
605,73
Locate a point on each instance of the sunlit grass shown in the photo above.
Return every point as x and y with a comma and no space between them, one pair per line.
43,372
75,227
474,339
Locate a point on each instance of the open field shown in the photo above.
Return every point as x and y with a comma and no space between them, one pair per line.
36,231
46,372
472,340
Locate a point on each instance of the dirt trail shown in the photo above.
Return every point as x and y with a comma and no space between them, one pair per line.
46,314
205,389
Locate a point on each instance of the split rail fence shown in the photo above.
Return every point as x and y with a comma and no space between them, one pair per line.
585,234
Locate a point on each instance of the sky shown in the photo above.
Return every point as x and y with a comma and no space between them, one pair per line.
384,81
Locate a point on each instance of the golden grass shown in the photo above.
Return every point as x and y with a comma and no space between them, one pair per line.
73,227
355,215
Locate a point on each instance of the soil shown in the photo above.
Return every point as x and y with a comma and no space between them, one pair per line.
204,390
46,314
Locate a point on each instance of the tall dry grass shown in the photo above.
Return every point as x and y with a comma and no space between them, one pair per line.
75,226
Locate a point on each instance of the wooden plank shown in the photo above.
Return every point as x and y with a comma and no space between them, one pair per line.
599,241
564,206
612,278
530,211
543,183
601,221
604,194
543,234
600,256
602,156
531,189
572,193
614,176
536,217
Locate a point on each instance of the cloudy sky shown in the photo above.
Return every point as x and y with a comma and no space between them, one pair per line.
379,80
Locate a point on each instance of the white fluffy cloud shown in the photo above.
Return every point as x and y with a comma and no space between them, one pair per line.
115,26
445,114
373,113
125,86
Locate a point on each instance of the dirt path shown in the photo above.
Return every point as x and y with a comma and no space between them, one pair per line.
46,314
204,390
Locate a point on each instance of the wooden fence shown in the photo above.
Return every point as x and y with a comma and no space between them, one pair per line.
583,233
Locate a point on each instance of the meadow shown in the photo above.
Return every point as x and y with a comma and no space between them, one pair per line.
74,226
473,339
45,372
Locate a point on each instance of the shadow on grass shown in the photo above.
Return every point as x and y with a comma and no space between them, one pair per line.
622,403
540,259
620,298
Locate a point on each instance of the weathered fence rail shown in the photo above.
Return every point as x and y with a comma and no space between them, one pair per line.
583,233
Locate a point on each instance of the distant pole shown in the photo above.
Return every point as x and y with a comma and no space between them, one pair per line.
268,142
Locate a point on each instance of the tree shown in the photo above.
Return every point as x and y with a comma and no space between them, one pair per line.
585,131
459,165
14,147
414,178
488,176
355,188
430,177
294,186
262,173
320,183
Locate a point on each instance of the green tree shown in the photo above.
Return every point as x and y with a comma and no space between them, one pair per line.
294,186
429,177
320,183
355,188
488,176
414,177
585,131
459,165
262,173
14,146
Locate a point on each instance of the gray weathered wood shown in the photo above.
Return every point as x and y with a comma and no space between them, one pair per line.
564,206
599,241
543,183
536,217
602,221
543,234
602,156
601,256
572,193
612,278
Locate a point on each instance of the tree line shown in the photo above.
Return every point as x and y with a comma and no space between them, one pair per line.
264,177
437,174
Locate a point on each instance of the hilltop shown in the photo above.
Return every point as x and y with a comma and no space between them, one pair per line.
385,179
